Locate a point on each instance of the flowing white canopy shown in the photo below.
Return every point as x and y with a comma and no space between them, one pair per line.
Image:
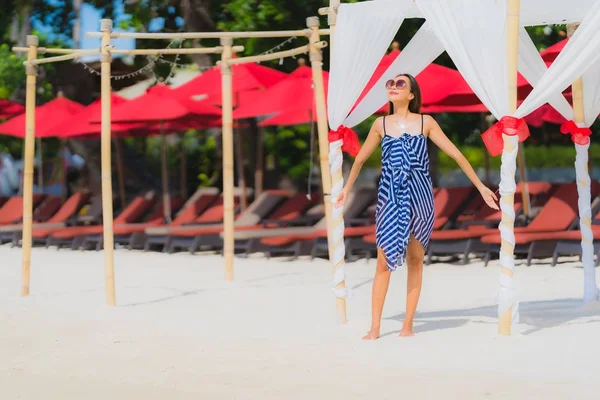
473,33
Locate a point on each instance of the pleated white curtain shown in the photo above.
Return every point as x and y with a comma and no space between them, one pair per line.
365,30
421,51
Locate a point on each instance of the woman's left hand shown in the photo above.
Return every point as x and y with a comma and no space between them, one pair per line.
489,197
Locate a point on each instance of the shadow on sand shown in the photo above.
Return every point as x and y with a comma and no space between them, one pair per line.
538,315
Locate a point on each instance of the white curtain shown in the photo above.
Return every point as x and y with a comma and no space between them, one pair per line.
541,12
580,53
421,51
364,32
591,93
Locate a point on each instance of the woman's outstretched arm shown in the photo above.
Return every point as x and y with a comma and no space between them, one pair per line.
363,155
438,137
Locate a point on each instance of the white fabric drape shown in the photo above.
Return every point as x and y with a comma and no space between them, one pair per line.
421,51
541,12
591,93
580,53
473,33
366,30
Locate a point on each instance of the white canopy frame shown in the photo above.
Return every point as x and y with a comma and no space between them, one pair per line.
516,14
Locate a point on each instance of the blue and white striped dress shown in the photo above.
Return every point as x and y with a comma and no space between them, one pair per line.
405,196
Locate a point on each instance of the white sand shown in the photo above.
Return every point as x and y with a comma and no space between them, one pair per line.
181,332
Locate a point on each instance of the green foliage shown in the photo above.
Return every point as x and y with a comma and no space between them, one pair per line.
12,71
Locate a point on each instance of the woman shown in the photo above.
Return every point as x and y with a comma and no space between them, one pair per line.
405,213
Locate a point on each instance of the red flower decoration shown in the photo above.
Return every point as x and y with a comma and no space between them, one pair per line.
351,144
579,135
492,138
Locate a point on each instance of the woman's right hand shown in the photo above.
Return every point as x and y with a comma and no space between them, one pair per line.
341,200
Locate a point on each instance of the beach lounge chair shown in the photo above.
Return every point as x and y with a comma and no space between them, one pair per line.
74,235
301,240
196,237
41,230
465,238
132,235
12,211
551,243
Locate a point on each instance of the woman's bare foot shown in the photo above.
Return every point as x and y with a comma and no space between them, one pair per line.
406,333
372,335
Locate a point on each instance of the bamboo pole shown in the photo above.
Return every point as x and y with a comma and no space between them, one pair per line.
316,59
227,137
183,169
107,194
201,50
46,50
165,176
277,55
260,162
239,155
120,173
40,176
590,288
31,70
65,57
209,35
508,198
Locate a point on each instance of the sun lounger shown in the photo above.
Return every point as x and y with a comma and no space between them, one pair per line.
12,211
74,235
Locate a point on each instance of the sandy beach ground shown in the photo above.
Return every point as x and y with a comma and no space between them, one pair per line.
180,331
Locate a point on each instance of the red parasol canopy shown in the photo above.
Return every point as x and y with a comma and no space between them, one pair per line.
9,109
159,105
553,51
293,96
80,125
292,116
246,77
47,118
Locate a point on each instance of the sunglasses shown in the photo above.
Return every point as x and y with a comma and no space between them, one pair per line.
399,84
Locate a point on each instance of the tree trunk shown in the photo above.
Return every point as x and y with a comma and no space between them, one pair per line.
196,14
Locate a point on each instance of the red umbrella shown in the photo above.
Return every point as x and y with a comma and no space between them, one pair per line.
47,118
246,77
293,116
159,105
292,96
80,124
553,51
9,109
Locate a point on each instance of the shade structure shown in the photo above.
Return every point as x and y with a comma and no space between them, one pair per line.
80,126
47,118
9,109
292,96
160,105
293,116
246,77
553,51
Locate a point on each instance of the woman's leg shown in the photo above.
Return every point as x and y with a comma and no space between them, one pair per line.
381,282
414,263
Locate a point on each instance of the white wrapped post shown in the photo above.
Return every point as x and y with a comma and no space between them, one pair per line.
508,306
584,203
590,290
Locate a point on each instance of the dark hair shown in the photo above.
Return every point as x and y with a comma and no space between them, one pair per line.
415,104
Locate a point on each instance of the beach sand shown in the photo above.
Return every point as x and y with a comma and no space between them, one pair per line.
180,331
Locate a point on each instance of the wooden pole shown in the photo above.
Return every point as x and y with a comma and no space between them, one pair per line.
316,59
40,176
107,194
590,288
63,168
183,169
227,137
239,155
120,174
209,35
260,162
31,70
506,248
165,176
